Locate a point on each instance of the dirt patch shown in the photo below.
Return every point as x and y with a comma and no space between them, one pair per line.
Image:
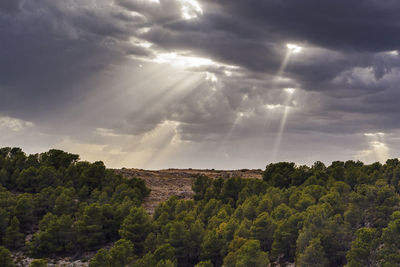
178,182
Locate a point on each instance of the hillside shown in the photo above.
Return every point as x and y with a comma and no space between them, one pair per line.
178,182
58,210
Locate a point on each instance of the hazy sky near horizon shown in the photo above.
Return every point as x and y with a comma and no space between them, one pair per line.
201,83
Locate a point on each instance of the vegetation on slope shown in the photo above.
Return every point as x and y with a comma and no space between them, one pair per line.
68,205
345,214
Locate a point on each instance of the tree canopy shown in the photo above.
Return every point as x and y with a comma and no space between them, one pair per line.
344,214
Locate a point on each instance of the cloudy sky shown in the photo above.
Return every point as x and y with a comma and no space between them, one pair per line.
201,83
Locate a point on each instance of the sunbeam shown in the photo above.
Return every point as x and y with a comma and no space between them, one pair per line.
281,129
239,117
291,49
378,149
283,65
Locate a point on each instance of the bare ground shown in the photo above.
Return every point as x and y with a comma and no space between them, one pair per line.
178,182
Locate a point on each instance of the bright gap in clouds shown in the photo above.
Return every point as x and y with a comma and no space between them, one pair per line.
378,149
294,48
191,9
182,61
289,90
291,49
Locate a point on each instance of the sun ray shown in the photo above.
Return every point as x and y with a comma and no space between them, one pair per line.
279,135
291,49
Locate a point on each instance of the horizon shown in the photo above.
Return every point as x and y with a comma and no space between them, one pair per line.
210,168
155,84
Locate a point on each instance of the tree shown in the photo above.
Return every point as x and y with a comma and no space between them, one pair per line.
212,246
231,189
25,211
90,226
56,235
363,248
200,186
101,259
279,174
135,227
28,179
249,254
122,253
5,258
285,237
165,252
64,204
389,252
4,220
263,229
313,256
13,238
58,158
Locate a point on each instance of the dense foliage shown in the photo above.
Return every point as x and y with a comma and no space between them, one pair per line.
68,205
345,214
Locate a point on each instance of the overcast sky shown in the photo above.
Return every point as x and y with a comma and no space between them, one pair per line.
201,83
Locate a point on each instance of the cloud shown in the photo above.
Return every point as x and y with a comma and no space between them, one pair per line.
107,77
377,151
10,6
14,124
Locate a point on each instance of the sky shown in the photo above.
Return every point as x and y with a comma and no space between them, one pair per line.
201,83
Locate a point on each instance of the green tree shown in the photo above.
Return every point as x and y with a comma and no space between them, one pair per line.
121,253
24,210
56,235
211,248
263,229
279,174
5,258
389,251
249,254
200,186
13,238
64,203
313,255
363,248
165,252
90,226
4,221
135,227
58,158
101,259
285,236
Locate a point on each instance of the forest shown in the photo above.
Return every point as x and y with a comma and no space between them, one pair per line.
345,214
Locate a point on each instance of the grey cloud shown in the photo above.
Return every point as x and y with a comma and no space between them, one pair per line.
355,25
77,65
10,6
50,50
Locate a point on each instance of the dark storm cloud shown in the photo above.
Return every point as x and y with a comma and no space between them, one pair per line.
355,25
55,54
10,6
252,34
49,49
